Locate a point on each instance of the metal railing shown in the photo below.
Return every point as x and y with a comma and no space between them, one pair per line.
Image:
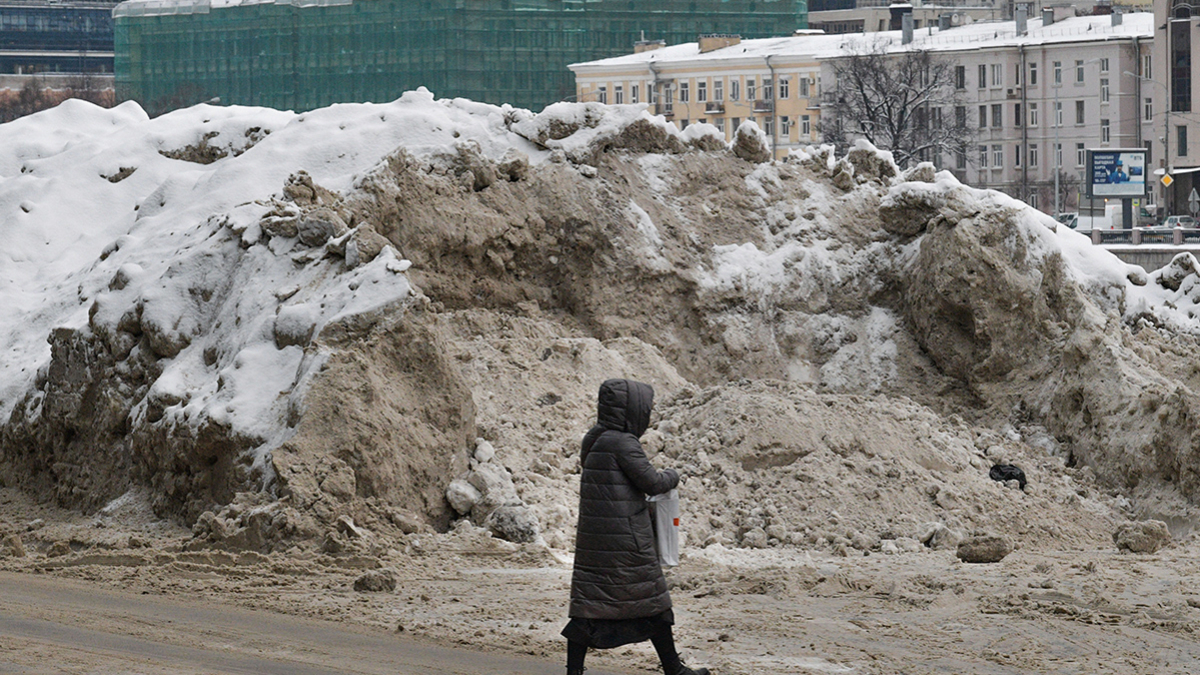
1148,235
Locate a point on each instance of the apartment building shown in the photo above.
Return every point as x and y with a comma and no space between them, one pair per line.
1038,94
722,80
1175,126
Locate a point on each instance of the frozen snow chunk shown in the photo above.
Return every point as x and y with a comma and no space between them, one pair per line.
750,143
484,451
319,226
295,324
1146,536
462,496
988,548
513,522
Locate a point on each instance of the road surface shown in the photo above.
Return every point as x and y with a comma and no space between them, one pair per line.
50,625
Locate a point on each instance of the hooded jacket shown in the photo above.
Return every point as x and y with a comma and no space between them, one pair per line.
617,573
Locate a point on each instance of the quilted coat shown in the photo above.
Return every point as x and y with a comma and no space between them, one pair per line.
617,573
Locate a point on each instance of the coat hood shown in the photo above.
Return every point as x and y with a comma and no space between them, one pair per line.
625,405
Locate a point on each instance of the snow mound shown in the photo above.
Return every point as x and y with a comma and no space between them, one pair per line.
285,327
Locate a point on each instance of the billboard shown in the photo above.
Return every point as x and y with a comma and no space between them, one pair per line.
1117,172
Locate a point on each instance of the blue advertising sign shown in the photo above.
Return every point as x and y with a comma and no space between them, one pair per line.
1117,173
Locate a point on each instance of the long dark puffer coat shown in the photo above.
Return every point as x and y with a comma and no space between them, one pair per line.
617,573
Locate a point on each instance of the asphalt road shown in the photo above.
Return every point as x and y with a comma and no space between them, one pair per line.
50,625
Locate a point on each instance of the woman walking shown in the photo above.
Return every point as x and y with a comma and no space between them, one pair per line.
618,592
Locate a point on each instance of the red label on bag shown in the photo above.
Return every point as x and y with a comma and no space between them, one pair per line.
676,522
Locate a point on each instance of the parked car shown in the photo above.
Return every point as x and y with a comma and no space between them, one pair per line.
1186,222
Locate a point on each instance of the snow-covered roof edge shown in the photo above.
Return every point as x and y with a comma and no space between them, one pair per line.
971,37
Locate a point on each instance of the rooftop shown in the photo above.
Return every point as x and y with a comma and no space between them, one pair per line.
979,35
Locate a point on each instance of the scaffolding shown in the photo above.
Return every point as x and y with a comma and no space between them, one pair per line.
305,54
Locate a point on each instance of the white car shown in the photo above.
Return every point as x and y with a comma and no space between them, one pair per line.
1187,222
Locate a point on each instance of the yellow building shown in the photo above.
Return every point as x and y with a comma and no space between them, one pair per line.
722,80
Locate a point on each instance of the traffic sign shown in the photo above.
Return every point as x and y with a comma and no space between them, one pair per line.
1167,180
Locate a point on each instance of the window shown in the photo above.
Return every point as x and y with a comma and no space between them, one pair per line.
960,77
702,91
935,118
1146,61
633,93
1033,154
805,125
1058,72
1104,65
997,156
1058,114
983,156
719,89
1104,90
1033,199
684,94
768,88
735,122
785,125
784,88
602,94
1033,74
720,122
960,116
749,88
960,160
1079,71
1148,110
683,124
997,115
619,94
734,85
1017,115
1079,117
1058,155
1033,114
1105,131
769,126
1181,149
803,87
1017,74
701,121
982,78
1179,68
983,117
1080,154
1017,156
997,74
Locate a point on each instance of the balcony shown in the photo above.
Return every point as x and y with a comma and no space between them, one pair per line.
764,106
714,107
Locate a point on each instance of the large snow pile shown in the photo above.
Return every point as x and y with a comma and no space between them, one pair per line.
373,317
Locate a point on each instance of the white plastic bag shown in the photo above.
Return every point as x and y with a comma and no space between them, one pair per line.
666,526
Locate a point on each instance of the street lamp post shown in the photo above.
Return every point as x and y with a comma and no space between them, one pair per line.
1165,138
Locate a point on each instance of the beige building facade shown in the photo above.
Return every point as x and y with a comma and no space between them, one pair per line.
719,80
1036,93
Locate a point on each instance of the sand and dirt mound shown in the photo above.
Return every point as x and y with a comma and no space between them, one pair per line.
331,356
370,341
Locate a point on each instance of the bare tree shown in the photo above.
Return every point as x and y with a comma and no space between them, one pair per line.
906,102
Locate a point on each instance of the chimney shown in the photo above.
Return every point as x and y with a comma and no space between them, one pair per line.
648,45
944,21
1116,17
1047,16
717,40
1022,19
906,27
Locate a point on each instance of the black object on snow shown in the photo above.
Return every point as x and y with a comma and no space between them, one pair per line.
1003,472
